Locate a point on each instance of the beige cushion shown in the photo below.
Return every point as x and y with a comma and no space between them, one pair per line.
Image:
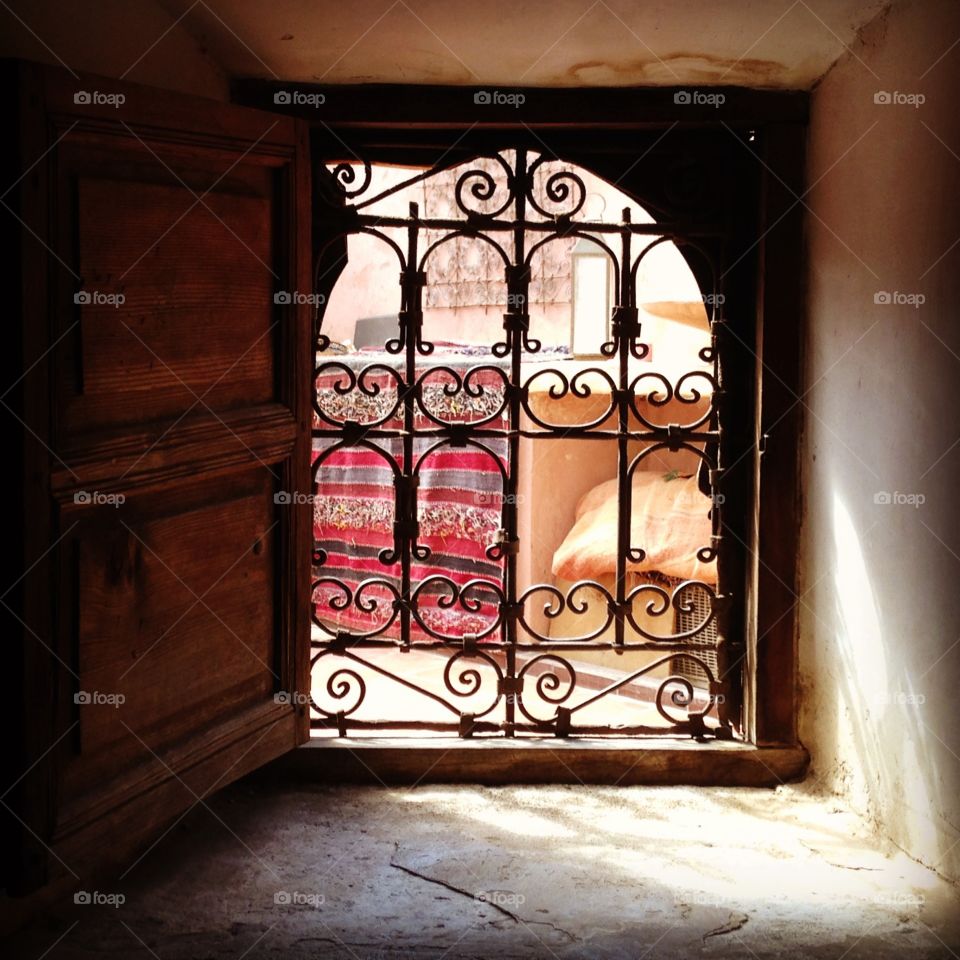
670,521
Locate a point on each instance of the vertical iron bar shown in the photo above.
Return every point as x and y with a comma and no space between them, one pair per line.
409,501
516,306
623,427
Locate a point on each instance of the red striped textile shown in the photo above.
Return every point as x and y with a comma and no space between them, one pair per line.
458,503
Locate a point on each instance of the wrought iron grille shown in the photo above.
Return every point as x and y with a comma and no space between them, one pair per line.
394,415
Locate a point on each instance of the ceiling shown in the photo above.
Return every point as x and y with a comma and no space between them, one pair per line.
758,43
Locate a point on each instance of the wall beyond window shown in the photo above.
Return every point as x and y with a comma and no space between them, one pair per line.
880,606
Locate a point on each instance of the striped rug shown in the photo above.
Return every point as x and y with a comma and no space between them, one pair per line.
458,503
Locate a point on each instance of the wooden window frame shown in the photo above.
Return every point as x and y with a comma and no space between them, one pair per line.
415,124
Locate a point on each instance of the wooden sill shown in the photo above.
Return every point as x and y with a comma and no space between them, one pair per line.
410,761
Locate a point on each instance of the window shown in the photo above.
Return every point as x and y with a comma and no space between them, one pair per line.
446,448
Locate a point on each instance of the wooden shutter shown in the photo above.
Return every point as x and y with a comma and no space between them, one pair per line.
163,406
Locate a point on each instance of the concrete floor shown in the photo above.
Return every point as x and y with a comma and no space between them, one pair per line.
280,870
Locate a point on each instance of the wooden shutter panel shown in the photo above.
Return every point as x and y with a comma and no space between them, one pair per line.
163,404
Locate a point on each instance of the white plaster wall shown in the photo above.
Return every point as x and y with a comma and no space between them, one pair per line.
135,40
880,601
